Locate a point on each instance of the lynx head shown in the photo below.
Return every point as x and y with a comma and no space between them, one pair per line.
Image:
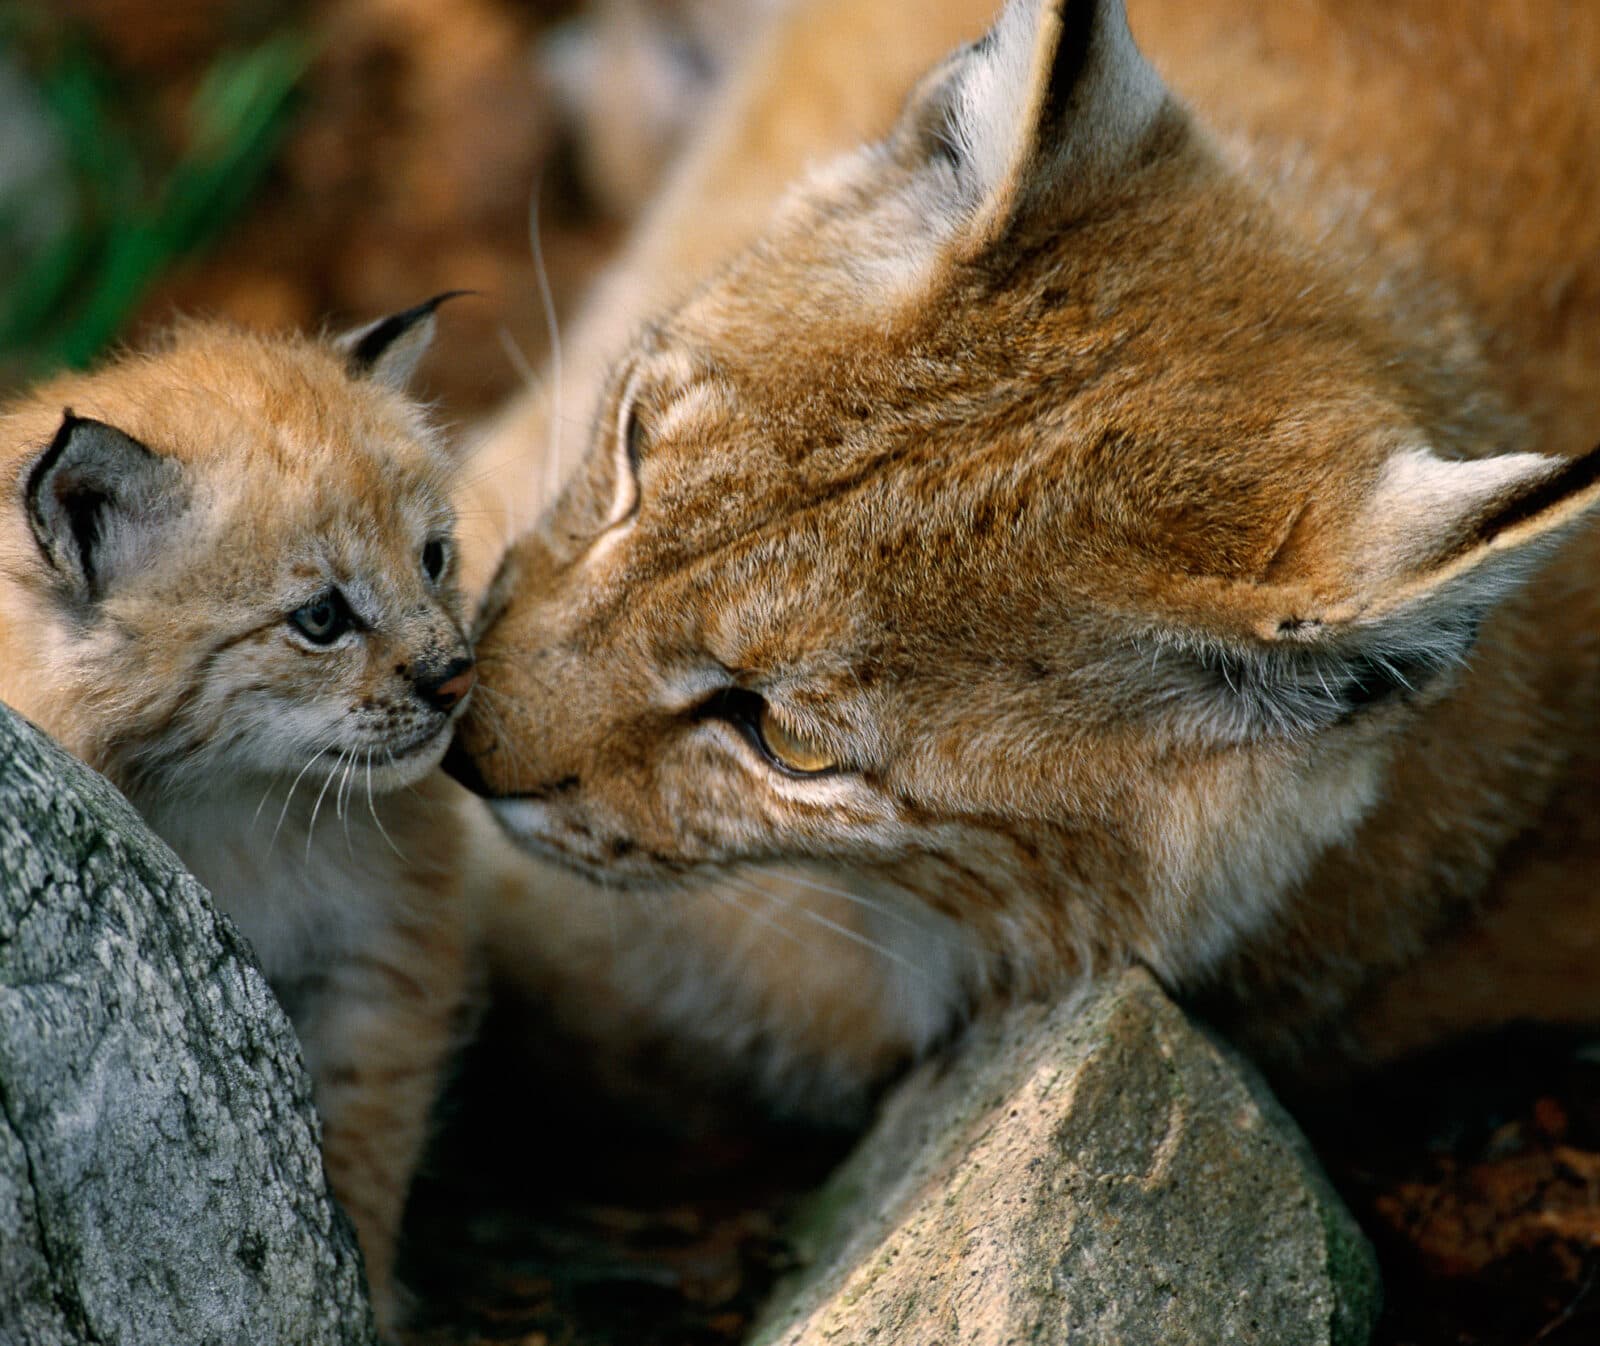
1030,518
234,558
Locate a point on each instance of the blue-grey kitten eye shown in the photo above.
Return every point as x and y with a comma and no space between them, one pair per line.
324,619
434,555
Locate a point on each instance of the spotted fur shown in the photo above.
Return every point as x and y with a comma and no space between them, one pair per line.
166,517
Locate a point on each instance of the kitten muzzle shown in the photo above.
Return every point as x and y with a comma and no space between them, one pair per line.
446,688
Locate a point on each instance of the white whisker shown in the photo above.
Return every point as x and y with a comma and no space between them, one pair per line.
552,467
316,808
729,897
373,810
874,905
284,811
519,361
341,800
843,931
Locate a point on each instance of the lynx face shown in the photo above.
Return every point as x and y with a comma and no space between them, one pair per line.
1029,519
240,560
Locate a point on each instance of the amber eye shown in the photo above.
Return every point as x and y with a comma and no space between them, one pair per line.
785,748
791,750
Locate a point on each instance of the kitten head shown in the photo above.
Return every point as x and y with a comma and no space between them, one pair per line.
233,557
1031,517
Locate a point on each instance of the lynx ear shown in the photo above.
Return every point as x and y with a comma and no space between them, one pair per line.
1399,599
388,350
1436,536
1443,530
1053,103
98,503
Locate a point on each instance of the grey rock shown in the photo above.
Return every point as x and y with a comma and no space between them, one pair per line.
1100,1173
161,1173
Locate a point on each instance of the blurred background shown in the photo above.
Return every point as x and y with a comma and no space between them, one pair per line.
301,162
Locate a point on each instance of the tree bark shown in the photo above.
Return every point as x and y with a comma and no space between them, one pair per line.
161,1173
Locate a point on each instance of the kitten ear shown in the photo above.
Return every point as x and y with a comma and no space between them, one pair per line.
1399,597
1052,104
388,350
98,503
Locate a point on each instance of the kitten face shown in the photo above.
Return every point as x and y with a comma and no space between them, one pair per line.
1000,524
243,562
341,645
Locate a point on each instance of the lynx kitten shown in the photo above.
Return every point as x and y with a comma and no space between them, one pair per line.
227,580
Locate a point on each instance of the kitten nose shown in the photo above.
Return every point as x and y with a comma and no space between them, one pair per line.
444,689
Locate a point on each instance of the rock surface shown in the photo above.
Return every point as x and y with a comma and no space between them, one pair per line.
161,1176
1100,1173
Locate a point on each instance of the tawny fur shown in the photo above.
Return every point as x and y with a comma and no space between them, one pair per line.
1134,484
272,766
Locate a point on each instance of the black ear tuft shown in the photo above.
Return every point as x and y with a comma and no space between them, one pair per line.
97,501
388,350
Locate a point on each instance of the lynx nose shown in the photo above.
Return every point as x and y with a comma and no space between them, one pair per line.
444,689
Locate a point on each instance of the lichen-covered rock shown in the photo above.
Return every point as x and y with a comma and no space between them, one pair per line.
161,1175
1100,1173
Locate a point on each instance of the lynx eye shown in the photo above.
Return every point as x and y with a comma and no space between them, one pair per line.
435,553
324,619
786,748
792,751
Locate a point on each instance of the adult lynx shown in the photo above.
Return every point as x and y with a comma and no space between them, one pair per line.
1117,523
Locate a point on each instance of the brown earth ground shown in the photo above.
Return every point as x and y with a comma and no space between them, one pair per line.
544,1220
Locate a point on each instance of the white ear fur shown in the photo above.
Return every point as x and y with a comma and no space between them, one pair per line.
1437,546
1435,527
1050,104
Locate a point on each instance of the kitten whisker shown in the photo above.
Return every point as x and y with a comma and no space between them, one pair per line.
514,353
316,808
341,801
373,810
289,798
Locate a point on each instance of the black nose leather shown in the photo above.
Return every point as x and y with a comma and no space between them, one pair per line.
458,764
442,688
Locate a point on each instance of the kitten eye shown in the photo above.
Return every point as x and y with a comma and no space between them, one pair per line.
323,620
434,555
786,748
